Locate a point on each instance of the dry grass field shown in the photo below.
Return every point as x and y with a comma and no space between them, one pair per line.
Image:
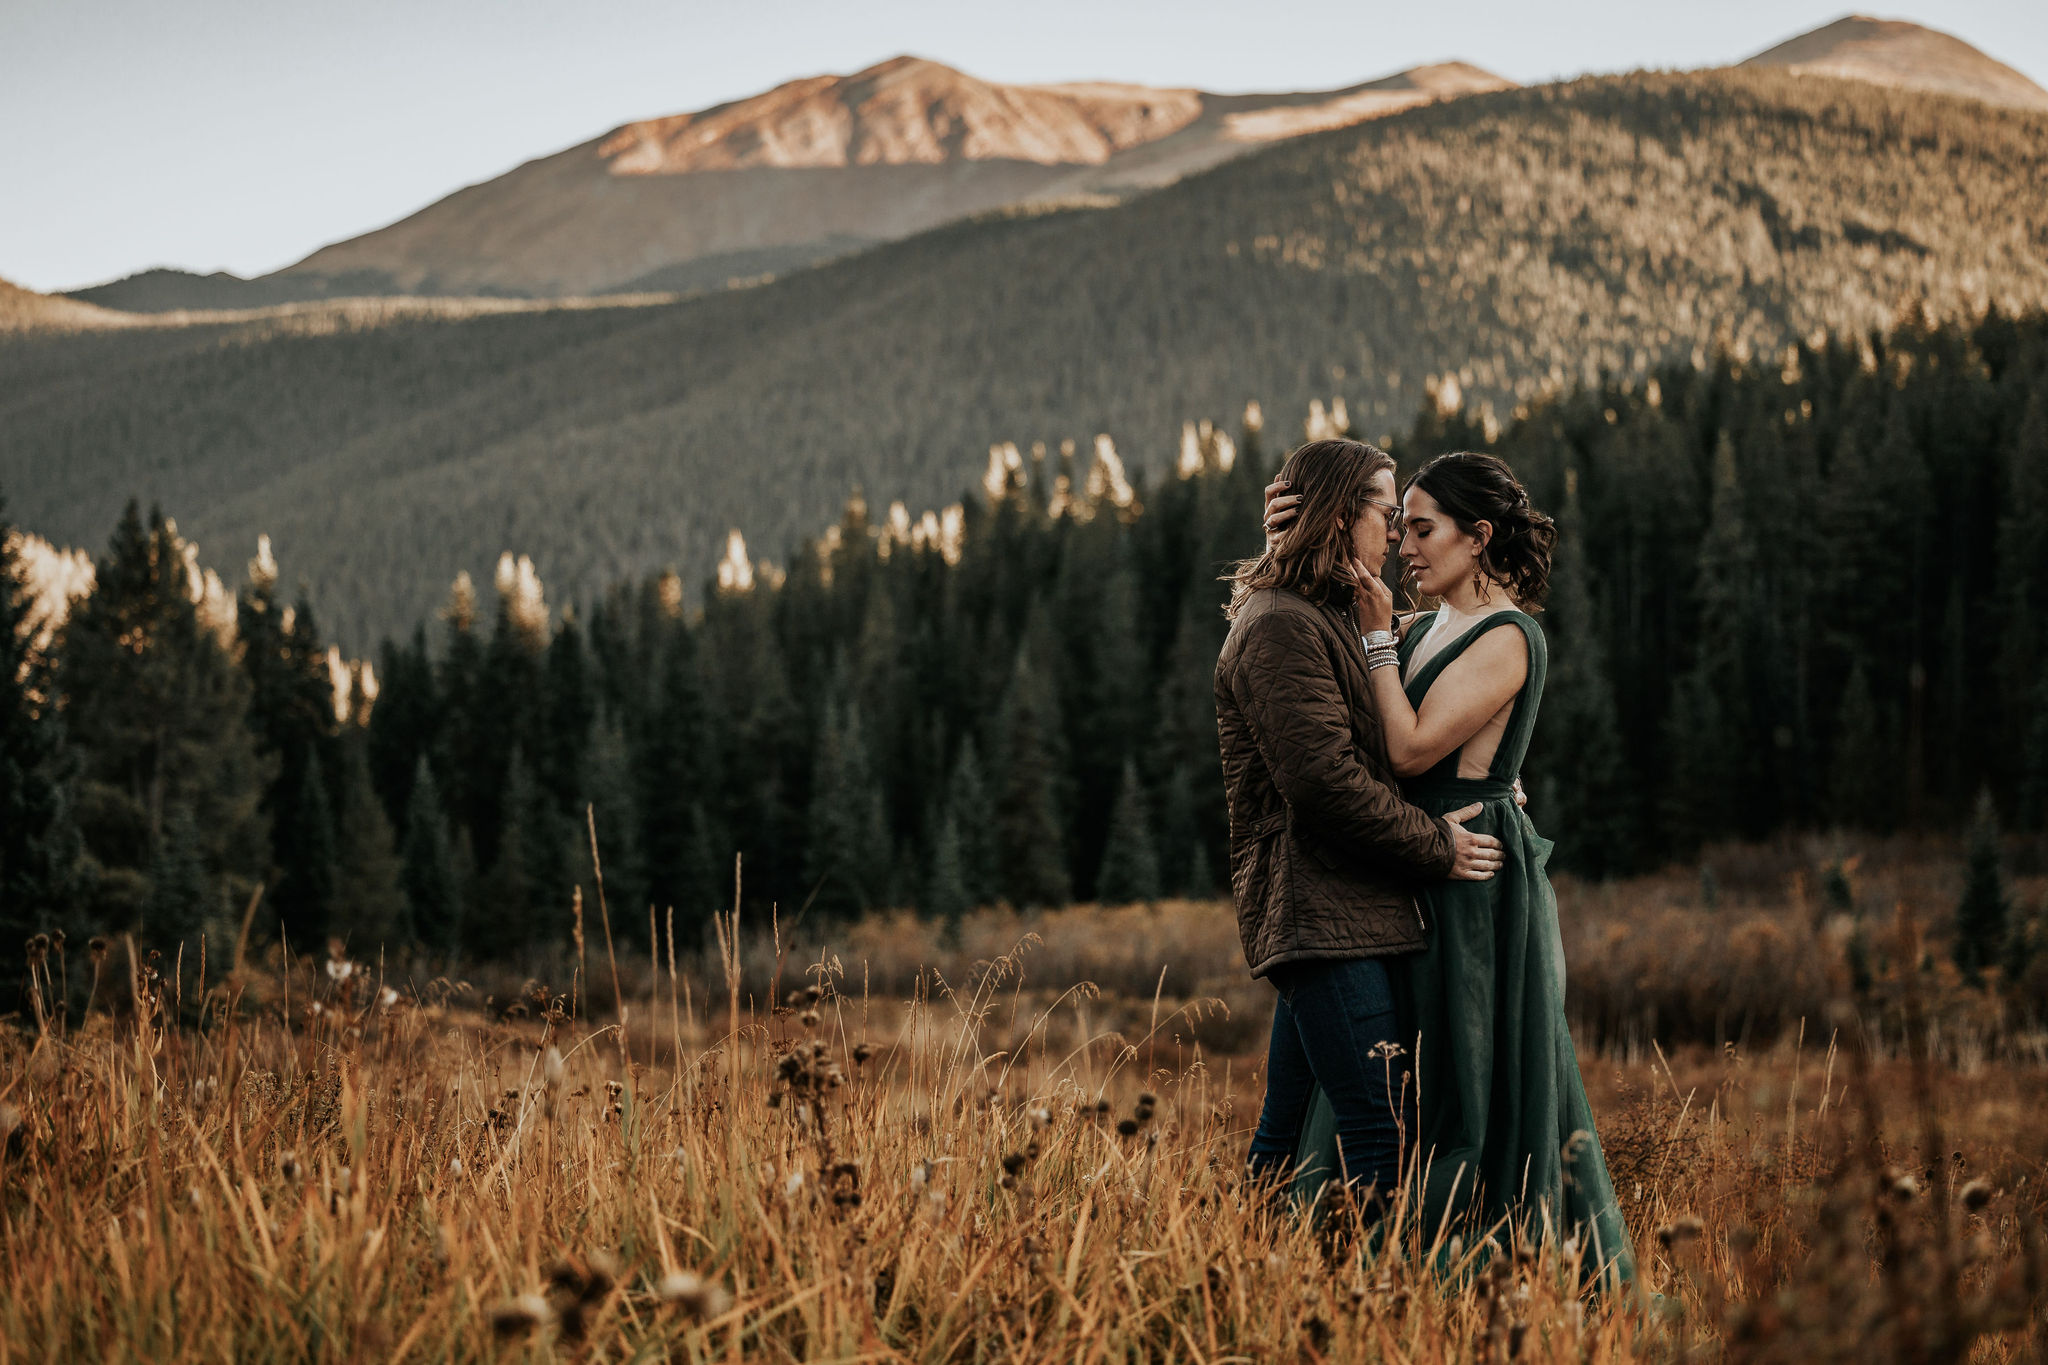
933,1148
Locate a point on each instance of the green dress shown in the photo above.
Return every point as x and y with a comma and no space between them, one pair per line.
1505,1131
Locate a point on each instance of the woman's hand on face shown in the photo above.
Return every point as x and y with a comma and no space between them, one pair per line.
1371,598
1281,508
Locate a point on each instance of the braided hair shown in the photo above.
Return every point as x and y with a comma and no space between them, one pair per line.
1472,488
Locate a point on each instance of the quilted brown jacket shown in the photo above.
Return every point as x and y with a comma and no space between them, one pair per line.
1324,853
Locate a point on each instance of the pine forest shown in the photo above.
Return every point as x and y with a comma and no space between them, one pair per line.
1801,591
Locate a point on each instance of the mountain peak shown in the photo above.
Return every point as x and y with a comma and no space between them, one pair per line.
907,110
1896,52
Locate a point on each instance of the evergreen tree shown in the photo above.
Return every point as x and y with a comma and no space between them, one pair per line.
312,875
1031,861
371,909
1187,780
38,841
527,890
157,712
181,894
1873,517
1981,917
2034,765
945,894
1865,758
1130,867
608,789
404,724
679,777
2023,564
463,755
512,896
563,730
1583,787
508,711
433,887
846,866
1714,789
970,808
291,711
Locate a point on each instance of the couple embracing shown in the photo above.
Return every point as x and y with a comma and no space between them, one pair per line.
1386,879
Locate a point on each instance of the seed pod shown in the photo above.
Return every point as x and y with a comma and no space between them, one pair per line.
694,1295
1681,1232
521,1314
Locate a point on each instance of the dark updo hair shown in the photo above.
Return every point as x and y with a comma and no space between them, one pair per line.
1472,488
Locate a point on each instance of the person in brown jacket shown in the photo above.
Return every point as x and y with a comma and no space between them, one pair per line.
1325,856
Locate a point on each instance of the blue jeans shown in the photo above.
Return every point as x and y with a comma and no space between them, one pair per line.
1328,1020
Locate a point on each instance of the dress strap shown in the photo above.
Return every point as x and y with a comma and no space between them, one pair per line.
1514,741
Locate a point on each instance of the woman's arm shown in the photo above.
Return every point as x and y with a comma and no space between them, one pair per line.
1473,687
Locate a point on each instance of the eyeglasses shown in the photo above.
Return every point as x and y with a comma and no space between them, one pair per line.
1392,512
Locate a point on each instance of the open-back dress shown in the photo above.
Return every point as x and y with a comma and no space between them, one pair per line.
1504,1132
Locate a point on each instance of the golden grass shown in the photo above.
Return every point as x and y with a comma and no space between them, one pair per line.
310,1167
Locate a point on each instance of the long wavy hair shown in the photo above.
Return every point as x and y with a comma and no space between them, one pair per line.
1334,480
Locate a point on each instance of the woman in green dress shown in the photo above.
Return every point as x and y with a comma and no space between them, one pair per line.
1504,1143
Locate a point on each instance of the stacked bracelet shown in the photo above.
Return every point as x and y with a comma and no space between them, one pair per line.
1380,658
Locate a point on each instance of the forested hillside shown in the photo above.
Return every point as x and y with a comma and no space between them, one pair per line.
1799,592
1519,241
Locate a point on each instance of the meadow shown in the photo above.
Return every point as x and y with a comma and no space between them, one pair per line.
1013,1137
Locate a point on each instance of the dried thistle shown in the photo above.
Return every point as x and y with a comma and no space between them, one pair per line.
698,1297
578,1287
1681,1232
522,1314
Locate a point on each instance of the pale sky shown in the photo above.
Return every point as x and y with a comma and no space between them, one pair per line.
243,134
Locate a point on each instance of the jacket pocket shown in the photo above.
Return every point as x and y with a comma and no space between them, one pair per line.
1311,846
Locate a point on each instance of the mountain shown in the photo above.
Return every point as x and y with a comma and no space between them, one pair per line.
167,290
811,170
1909,56
1502,244
24,310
